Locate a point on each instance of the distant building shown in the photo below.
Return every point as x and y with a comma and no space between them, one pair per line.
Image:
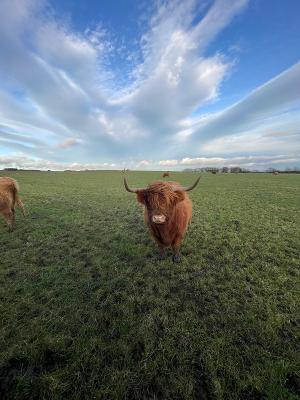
235,170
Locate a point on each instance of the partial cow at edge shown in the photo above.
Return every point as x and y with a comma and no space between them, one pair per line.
9,197
167,213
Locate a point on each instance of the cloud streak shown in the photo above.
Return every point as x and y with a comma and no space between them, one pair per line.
274,97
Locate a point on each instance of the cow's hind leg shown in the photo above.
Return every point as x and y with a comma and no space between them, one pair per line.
9,215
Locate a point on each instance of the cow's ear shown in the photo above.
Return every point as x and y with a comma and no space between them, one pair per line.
180,196
141,196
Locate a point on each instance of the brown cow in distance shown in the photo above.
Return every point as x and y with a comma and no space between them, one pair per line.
165,174
9,197
168,210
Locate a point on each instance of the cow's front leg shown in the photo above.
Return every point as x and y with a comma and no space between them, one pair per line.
175,248
161,252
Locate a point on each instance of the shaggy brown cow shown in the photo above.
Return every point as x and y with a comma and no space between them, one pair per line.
165,174
168,210
9,197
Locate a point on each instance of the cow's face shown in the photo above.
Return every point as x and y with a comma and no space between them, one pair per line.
160,203
160,198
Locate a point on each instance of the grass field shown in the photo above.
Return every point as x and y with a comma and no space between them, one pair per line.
88,312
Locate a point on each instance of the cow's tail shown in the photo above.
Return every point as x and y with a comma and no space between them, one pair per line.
17,197
21,205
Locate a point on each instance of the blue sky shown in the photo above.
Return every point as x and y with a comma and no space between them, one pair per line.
149,85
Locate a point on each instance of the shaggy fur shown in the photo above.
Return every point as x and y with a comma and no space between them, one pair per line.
166,198
165,174
9,197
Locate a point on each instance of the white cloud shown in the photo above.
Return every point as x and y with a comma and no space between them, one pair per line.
168,163
25,162
274,135
202,161
143,163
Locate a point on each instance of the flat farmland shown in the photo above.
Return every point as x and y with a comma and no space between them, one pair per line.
89,312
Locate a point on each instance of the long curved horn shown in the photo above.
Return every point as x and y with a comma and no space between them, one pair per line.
131,190
188,188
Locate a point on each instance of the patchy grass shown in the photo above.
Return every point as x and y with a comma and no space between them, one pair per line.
87,312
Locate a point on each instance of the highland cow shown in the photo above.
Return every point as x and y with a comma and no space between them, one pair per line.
9,197
167,213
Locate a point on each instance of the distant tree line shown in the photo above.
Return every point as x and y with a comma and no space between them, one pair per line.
215,170
239,170
18,169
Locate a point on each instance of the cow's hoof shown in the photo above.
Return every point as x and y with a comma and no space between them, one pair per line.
176,258
162,256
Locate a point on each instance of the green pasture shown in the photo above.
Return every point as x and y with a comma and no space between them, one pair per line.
87,311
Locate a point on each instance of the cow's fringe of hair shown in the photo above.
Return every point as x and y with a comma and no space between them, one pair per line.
163,192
